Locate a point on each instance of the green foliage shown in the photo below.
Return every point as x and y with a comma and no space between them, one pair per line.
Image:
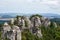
57,33
7,38
1,25
49,33
26,24
18,17
0,35
15,22
57,20
27,35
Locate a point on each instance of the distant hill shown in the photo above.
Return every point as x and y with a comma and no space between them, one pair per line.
51,15
57,20
10,15
6,16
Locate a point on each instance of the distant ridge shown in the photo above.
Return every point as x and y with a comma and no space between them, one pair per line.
7,16
10,15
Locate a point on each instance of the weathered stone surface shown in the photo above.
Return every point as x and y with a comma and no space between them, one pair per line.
12,20
46,22
21,23
10,35
39,34
55,25
33,25
13,33
17,32
28,22
36,23
6,28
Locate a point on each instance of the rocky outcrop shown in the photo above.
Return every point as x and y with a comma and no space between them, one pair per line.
33,24
55,25
24,23
6,28
46,22
13,33
27,22
36,23
12,20
17,32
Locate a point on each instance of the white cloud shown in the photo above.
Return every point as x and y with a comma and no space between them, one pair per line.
33,0
50,2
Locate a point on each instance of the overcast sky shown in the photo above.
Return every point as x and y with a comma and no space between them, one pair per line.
30,6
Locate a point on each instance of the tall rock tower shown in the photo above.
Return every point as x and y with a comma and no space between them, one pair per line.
17,32
36,23
6,28
21,23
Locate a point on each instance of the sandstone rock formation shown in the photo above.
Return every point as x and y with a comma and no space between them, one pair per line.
17,32
6,28
46,22
36,23
13,33
55,25
33,24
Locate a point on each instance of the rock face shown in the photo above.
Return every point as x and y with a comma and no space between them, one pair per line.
28,22
36,23
46,22
12,20
6,28
13,33
39,34
10,35
21,23
33,24
54,24
24,23
17,32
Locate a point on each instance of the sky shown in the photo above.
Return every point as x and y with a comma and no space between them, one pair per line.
30,6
